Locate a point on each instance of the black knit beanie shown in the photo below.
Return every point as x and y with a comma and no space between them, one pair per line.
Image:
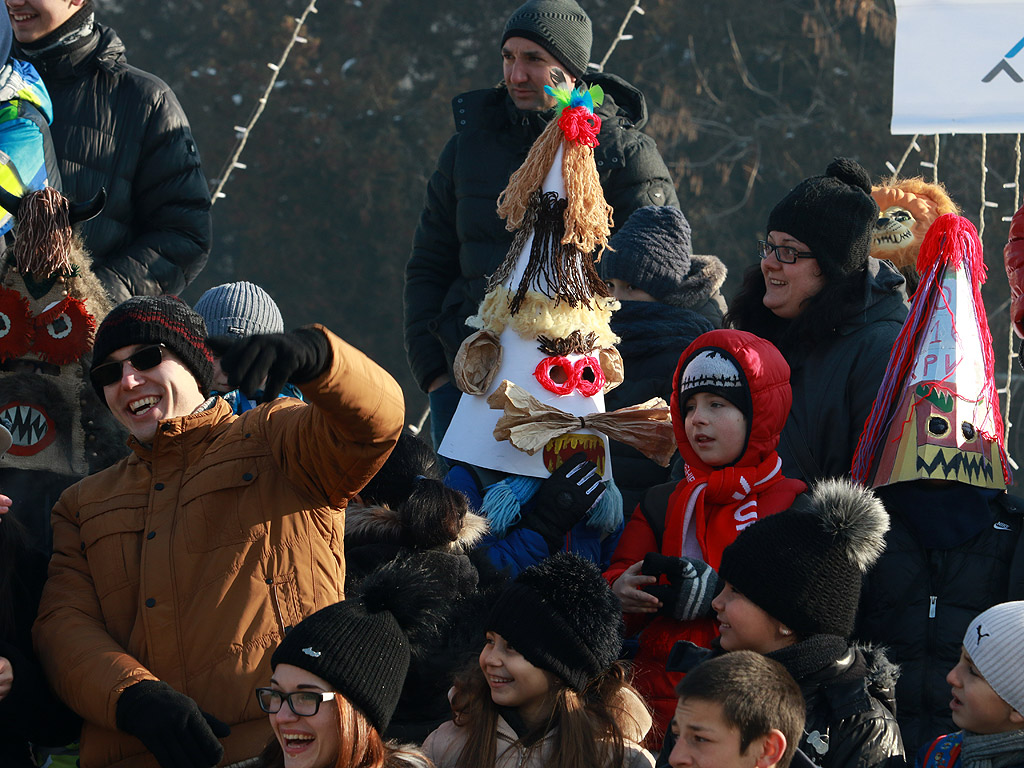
561,26
834,214
163,320
562,616
804,566
712,369
651,251
362,646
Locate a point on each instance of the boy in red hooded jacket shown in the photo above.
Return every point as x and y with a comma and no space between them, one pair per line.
730,400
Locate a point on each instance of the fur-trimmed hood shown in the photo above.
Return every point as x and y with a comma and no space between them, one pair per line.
367,524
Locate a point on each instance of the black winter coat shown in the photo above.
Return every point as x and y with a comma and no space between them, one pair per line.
460,241
118,127
835,385
31,711
851,721
918,602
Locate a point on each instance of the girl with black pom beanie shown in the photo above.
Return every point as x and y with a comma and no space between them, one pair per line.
547,691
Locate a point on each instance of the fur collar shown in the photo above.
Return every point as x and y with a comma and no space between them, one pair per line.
364,524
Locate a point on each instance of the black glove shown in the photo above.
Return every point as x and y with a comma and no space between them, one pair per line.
171,725
692,585
564,499
275,358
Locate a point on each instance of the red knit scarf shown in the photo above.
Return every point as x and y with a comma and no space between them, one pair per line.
720,503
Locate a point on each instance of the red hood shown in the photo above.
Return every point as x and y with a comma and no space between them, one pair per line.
767,378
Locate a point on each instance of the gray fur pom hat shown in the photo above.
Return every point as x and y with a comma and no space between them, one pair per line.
833,214
804,566
651,251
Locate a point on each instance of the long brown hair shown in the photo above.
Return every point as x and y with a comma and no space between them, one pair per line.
591,724
359,744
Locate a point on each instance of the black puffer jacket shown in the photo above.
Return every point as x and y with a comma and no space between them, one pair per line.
460,240
918,600
851,705
118,127
834,386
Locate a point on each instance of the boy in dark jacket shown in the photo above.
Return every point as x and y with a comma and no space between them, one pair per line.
663,308
988,696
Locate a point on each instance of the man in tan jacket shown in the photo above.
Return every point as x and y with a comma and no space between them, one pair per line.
177,571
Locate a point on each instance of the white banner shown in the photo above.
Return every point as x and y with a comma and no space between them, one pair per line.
959,67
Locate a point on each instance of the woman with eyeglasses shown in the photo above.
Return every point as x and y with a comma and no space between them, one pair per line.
338,674
832,311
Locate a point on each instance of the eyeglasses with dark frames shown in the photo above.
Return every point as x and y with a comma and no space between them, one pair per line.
302,703
784,253
142,360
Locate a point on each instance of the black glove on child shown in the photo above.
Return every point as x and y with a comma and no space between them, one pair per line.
692,585
564,499
171,725
275,358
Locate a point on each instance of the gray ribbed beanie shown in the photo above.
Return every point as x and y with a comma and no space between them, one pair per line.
651,251
239,309
995,643
561,26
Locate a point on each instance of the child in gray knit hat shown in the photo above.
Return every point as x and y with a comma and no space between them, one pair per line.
988,696
233,311
663,305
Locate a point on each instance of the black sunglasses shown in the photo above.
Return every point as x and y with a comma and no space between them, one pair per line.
141,360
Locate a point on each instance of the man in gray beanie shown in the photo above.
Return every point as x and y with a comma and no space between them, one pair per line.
460,240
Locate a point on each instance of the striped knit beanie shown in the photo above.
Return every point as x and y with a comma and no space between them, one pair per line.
651,251
995,643
239,309
163,320
560,26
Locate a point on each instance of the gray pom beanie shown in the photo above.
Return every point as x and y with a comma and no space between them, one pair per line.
651,251
561,26
239,309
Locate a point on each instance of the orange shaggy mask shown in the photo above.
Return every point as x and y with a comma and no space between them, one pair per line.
907,208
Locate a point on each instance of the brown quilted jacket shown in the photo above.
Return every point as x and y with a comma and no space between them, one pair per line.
188,560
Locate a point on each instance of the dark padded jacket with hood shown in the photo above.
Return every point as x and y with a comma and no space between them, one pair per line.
460,240
120,128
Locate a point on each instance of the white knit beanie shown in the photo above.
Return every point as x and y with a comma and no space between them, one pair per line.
995,643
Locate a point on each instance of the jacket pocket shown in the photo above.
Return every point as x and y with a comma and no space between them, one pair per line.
285,602
222,504
112,543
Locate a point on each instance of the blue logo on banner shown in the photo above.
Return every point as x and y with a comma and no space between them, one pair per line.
1004,65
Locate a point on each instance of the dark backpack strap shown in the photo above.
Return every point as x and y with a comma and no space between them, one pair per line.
654,506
